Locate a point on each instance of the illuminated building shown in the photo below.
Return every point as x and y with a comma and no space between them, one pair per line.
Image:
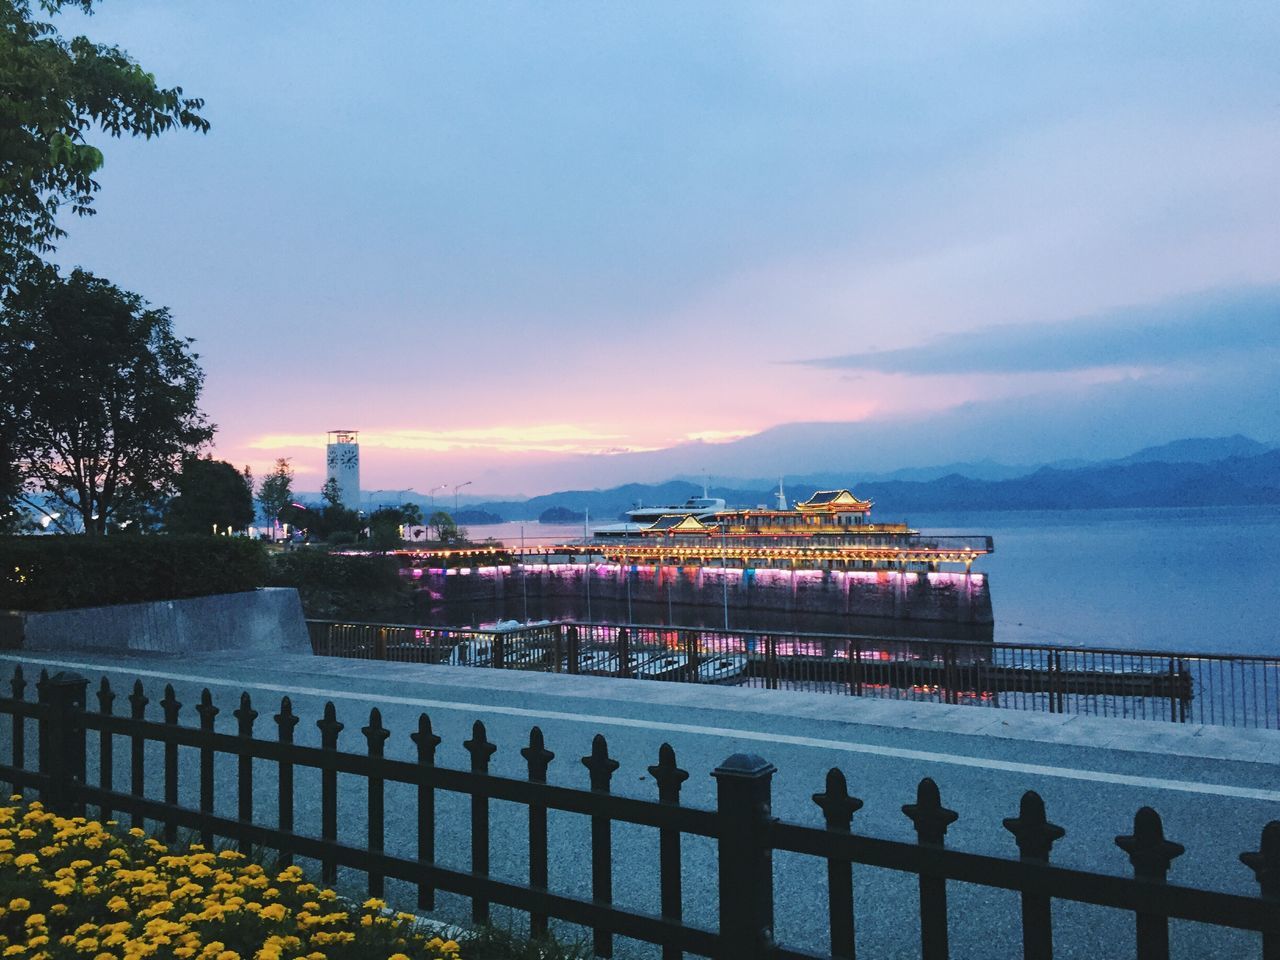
342,459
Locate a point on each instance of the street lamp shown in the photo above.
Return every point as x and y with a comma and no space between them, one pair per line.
432,494
455,494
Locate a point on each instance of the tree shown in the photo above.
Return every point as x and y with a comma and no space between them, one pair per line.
276,490
98,401
443,526
211,494
331,493
53,92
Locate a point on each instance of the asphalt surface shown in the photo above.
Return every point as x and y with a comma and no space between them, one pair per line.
1214,788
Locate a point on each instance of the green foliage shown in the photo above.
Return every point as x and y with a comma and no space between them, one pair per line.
98,400
385,525
57,573
442,525
54,92
336,524
333,586
210,493
276,490
330,492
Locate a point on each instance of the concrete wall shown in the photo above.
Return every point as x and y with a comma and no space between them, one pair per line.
258,621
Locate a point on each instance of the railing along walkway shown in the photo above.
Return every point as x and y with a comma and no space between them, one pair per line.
1206,688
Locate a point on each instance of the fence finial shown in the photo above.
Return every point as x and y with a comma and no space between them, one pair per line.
668,776
1149,852
329,726
245,714
599,763
106,696
930,817
286,719
425,739
479,747
375,733
19,683
1265,861
206,710
836,804
138,700
1034,834
537,756
170,704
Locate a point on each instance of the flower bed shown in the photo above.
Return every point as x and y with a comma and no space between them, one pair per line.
77,889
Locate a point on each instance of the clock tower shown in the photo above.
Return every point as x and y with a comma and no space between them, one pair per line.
343,465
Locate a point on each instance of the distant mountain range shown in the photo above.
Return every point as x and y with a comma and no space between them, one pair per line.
1219,471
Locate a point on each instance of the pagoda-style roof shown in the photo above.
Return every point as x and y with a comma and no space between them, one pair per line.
677,523
832,501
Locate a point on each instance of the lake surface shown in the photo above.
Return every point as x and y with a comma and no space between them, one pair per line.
1204,579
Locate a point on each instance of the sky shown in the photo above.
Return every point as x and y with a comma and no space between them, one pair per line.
546,245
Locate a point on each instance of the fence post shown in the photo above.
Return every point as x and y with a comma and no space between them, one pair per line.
1151,854
744,804
574,651
329,727
538,758
838,809
498,642
557,648
1265,864
481,750
949,694
62,742
601,768
931,820
208,713
669,778
624,653
1035,835
771,661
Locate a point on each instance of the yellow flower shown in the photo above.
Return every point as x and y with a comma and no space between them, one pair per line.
35,920
398,956
14,950
86,945
373,903
19,903
58,909
228,955
137,832
273,911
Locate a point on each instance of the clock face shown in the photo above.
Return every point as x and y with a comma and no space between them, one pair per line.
333,458
349,458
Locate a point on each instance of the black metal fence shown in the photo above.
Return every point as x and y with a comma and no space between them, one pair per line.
742,827
1217,689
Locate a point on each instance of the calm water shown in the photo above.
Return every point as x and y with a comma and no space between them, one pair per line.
1202,579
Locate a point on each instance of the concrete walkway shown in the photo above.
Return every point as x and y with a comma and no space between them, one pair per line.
1215,787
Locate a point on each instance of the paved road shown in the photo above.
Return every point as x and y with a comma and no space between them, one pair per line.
1215,788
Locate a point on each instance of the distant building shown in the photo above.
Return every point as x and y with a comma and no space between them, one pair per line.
343,460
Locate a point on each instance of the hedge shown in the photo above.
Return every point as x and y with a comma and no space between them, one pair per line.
63,572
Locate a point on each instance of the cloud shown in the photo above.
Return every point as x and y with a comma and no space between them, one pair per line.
1188,329
534,438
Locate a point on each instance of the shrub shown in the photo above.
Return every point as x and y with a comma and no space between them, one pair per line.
56,573
333,585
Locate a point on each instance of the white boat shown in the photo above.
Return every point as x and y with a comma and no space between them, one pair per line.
697,507
722,669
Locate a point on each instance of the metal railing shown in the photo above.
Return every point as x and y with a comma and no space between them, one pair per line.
744,832
1205,688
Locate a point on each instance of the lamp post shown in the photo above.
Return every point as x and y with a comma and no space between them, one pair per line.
432,494
455,494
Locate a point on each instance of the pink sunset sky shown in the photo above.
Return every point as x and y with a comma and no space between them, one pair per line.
540,247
